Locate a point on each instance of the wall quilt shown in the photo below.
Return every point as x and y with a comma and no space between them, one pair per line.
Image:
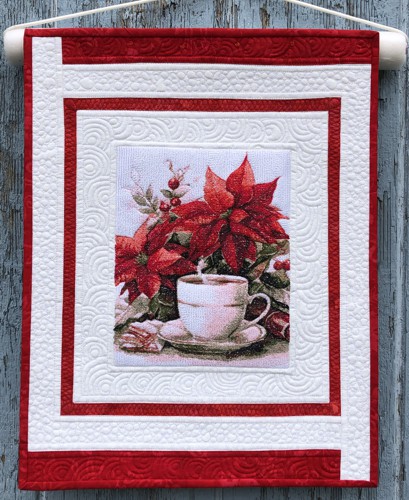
200,282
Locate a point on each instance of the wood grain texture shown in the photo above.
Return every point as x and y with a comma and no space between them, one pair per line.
393,231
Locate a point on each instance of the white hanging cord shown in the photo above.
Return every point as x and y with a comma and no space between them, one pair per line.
141,2
79,14
347,16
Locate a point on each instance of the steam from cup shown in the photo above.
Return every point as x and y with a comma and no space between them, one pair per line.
202,276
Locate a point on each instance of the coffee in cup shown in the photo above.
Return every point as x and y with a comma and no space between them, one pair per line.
212,306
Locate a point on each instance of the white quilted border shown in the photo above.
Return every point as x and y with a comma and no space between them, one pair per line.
99,134
49,431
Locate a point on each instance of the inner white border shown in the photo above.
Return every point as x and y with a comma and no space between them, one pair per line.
99,133
47,429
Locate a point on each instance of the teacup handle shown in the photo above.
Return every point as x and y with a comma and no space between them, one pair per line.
261,316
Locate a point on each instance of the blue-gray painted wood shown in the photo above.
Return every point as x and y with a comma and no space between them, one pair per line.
393,233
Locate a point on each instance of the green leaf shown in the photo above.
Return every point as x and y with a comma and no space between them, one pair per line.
283,247
181,191
147,210
140,200
163,308
256,287
166,193
174,238
134,312
269,250
167,297
184,238
257,269
155,203
278,279
154,304
140,305
166,313
149,193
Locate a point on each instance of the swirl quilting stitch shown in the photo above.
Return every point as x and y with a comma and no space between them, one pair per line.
45,425
98,138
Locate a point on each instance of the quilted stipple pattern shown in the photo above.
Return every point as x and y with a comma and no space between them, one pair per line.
89,419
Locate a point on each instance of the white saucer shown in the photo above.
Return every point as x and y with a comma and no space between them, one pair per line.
176,334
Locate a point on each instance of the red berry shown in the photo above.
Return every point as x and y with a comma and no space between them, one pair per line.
286,265
173,183
175,202
164,207
282,264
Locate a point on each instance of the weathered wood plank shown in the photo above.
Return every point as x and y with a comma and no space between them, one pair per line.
393,233
11,169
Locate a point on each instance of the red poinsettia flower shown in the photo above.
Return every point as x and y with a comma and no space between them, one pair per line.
143,270
234,214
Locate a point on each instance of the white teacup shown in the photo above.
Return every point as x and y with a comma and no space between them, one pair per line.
213,306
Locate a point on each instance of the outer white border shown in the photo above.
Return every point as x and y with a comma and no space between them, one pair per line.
49,431
98,137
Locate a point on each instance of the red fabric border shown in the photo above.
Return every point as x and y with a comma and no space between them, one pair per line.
27,256
102,469
213,45
68,407
33,467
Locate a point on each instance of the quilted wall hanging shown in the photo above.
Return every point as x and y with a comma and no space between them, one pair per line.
200,282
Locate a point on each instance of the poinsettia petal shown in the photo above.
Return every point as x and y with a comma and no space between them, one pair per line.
233,250
238,215
258,210
263,193
179,268
250,232
229,252
197,210
270,228
251,251
241,182
133,291
141,234
175,247
162,259
216,194
205,240
148,282
188,226
168,283
161,233
125,270
126,247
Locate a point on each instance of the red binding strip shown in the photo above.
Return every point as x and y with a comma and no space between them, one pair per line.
27,257
213,45
113,469
373,264
68,407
